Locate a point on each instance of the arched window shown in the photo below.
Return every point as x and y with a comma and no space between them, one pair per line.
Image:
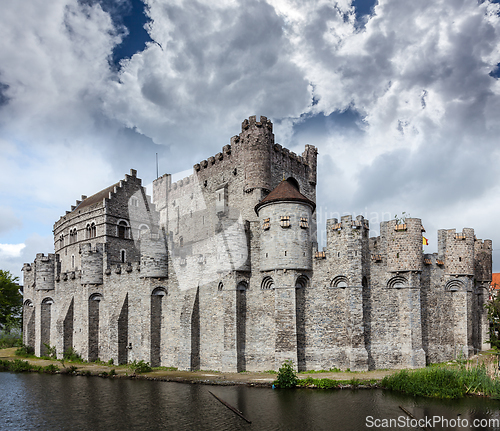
72,261
93,230
267,283
95,297
72,236
220,287
87,232
61,241
242,285
302,281
397,282
123,229
159,291
454,286
340,281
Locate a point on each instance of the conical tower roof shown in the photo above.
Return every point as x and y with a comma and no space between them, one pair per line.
284,192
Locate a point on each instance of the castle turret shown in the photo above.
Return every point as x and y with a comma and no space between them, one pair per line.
285,217
45,271
254,146
347,247
457,251
154,255
92,264
404,244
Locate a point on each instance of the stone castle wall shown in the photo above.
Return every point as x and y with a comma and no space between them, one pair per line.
194,279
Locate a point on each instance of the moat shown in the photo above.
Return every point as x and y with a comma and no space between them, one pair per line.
58,402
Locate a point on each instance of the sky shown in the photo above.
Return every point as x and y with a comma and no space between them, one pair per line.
401,98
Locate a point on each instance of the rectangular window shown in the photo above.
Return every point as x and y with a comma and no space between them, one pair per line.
303,223
266,224
221,200
285,221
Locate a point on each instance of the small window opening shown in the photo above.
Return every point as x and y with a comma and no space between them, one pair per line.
123,230
123,256
397,255
460,259
304,223
285,221
338,254
285,252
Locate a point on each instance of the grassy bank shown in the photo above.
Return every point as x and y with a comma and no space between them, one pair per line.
441,382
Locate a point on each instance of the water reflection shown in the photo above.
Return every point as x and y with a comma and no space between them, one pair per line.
37,401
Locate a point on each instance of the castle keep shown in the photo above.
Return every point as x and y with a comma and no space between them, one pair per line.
221,271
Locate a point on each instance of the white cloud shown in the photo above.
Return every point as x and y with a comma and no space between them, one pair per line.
417,73
11,250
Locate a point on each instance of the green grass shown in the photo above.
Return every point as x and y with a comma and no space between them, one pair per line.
164,368
439,382
331,370
333,384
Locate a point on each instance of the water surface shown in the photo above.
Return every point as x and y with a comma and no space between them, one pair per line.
58,402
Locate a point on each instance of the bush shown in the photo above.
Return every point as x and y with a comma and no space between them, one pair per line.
19,366
51,369
112,372
71,355
25,351
50,351
10,340
287,378
140,367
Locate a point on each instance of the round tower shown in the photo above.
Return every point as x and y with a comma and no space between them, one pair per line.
285,218
254,146
44,271
92,264
154,255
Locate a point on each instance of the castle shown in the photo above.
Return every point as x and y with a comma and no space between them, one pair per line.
221,271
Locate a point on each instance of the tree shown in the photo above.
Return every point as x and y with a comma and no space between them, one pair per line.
11,301
493,307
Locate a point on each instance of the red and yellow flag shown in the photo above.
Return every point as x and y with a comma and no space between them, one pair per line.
425,241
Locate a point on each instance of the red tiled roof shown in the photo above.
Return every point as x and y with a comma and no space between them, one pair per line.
285,191
495,280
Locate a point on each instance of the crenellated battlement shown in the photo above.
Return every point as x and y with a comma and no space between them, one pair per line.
252,122
224,155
